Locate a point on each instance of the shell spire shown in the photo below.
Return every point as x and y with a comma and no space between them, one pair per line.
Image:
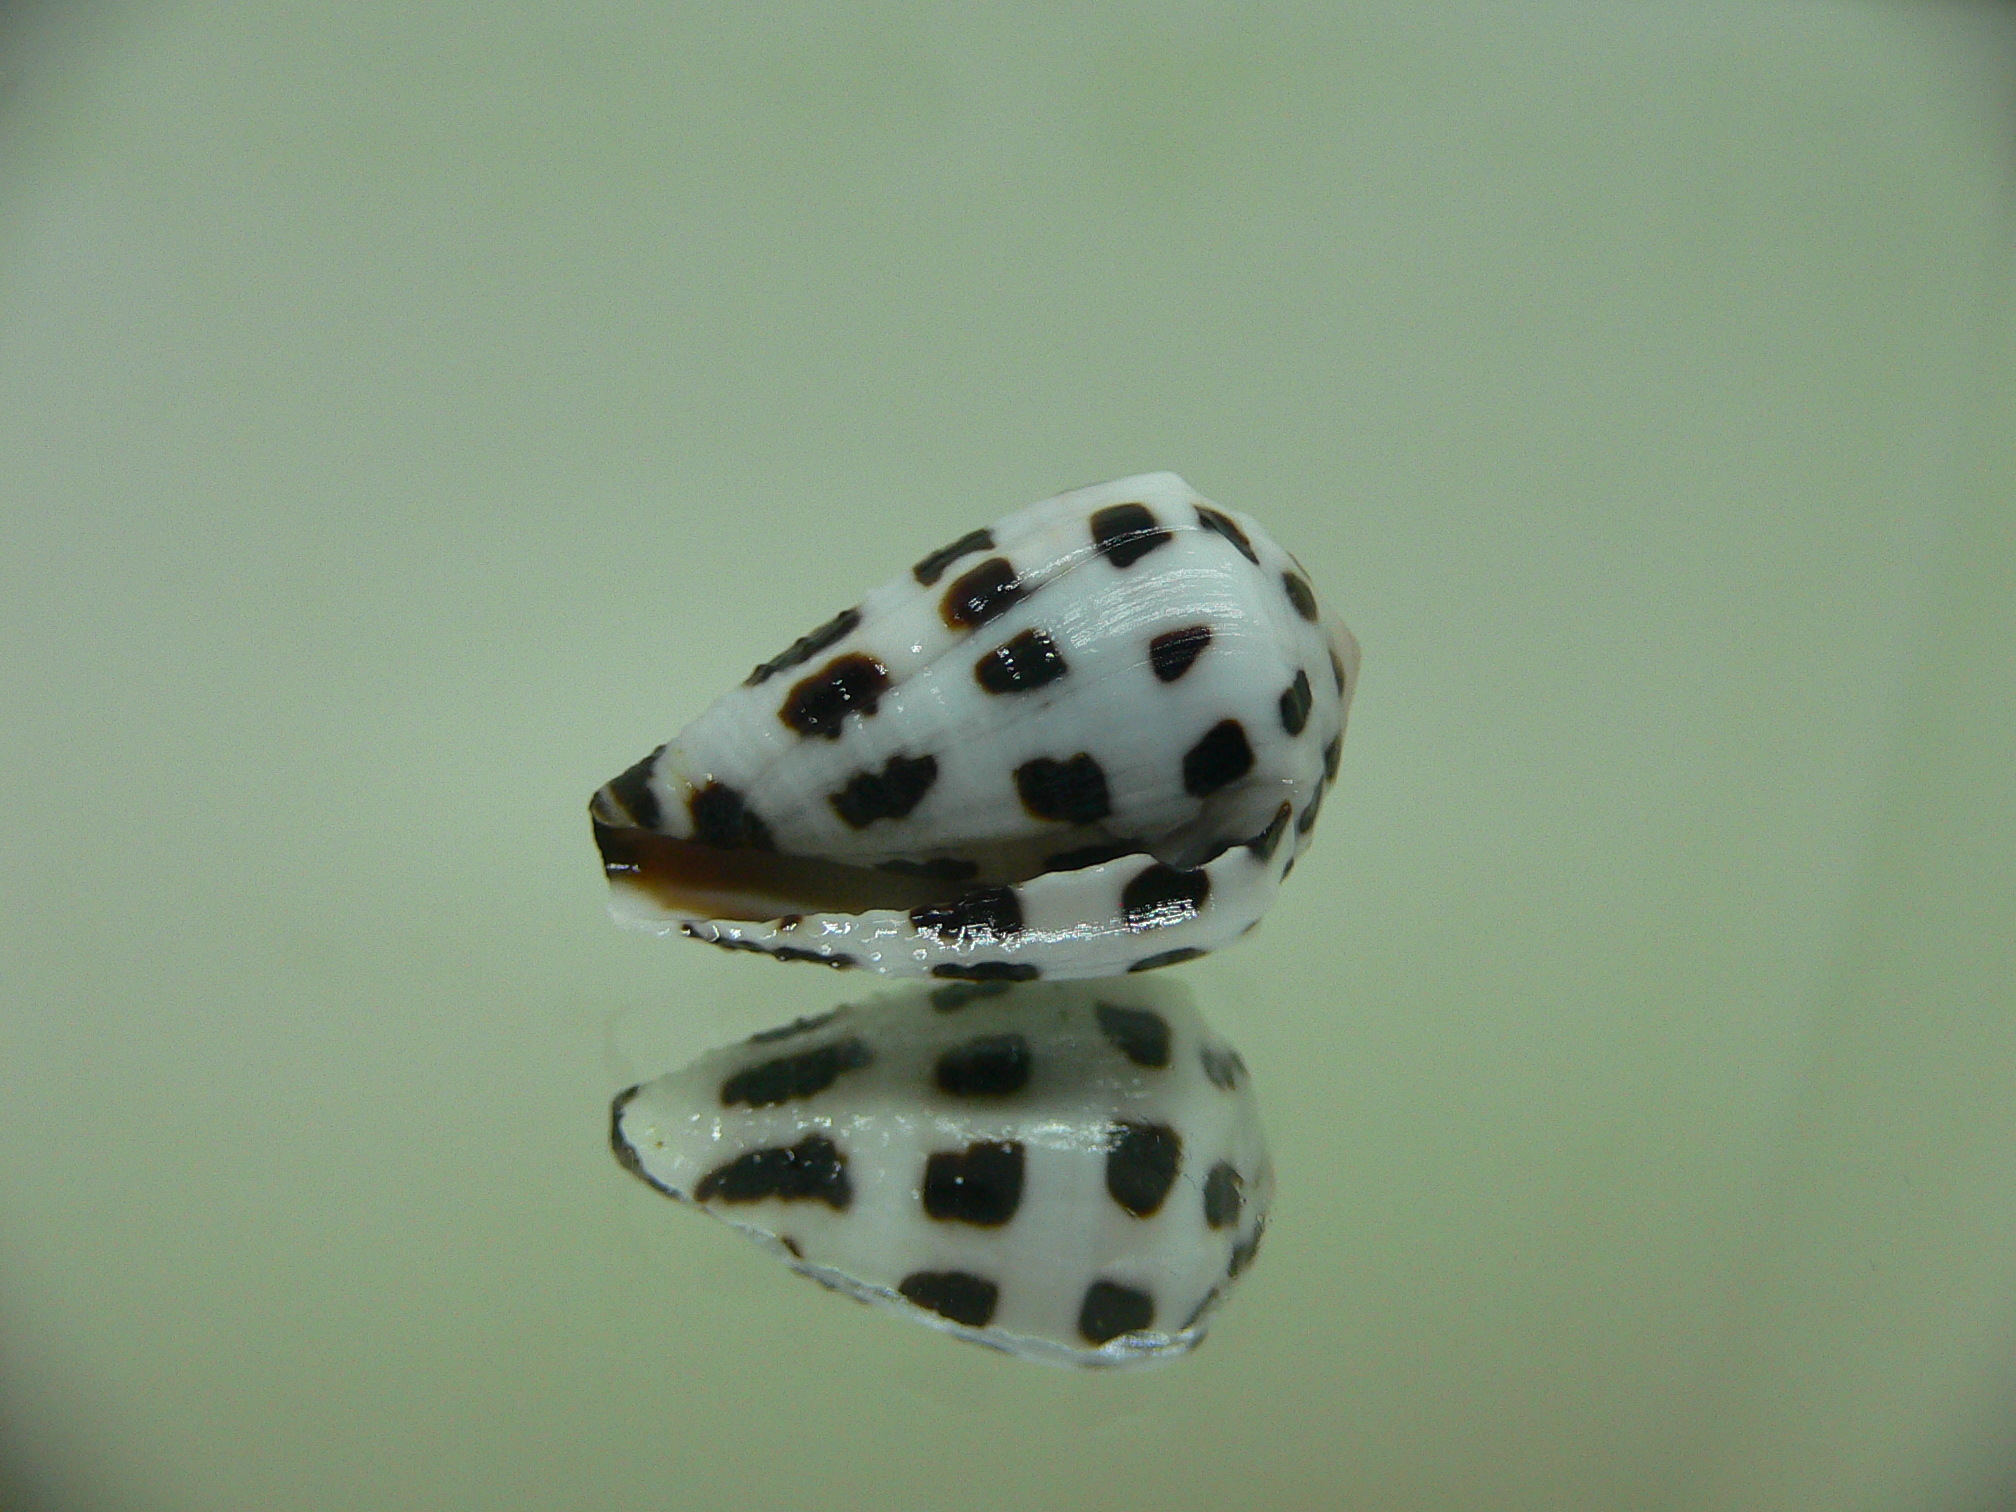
1090,739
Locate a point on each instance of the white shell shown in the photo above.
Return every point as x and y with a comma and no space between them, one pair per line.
1069,1173
1090,740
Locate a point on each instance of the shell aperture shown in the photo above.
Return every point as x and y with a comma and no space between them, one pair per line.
1087,740
1070,1173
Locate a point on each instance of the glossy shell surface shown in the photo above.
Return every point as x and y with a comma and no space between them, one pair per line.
1071,1173
1088,740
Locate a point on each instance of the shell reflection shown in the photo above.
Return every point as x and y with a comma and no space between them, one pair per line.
1073,1173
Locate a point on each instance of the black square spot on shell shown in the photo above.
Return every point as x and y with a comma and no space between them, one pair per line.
1140,1034
987,971
1071,791
1160,896
790,1077
812,1170
980,1185
1226,526
1331,754
1219,759
1021,665
1246,1249
928,571
807,646
938,868
1337,670
1110,1310
1163,958
721,819
959,1295
1263,844
1295,703
1171,654
956,995
850,684
889,794
633,791
989,1065
1300,594
1306,820
795,1028
1125,533
986,913
1141,1164
1222,1065
1224,1196
988,590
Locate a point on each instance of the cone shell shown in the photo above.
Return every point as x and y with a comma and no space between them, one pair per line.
1088,740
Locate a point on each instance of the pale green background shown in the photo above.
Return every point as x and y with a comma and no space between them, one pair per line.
410,414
